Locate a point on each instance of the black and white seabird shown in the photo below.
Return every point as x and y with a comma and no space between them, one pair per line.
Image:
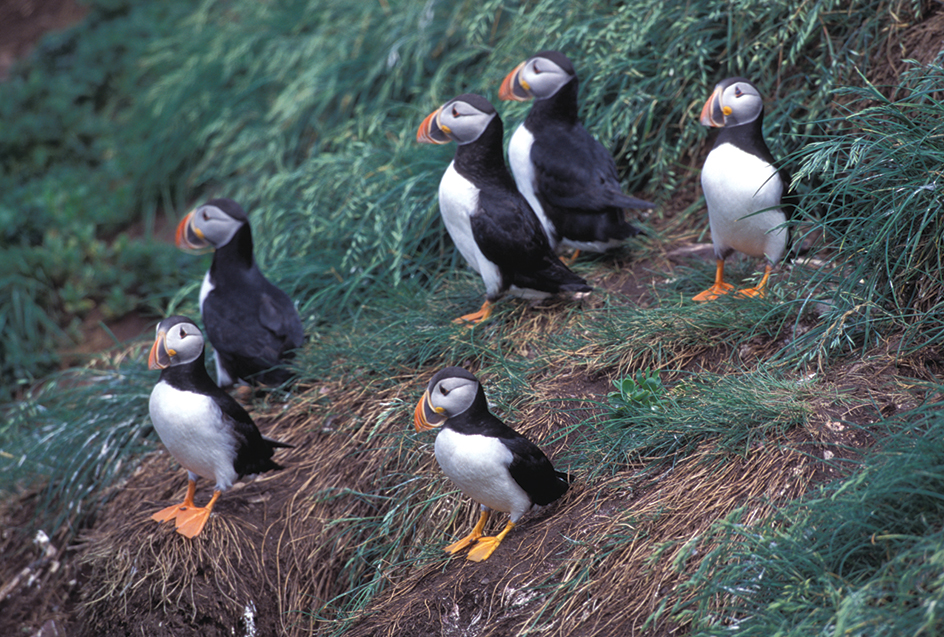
488,460
566,175
742,187
252,325
203,428
488,219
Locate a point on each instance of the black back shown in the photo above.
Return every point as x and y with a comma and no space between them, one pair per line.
577,182
530,468
252,324
253,450
504,226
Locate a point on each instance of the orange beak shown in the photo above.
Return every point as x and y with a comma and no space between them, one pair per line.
160,356
430,132
425,416
188,236
713,112
513,88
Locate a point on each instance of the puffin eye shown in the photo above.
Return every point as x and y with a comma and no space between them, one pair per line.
455,112
537,71
183,332
737,92
206,217
443,390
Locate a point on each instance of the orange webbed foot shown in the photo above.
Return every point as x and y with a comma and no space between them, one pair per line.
713,292
471,537
760,289
487,545
757,292
569,261
191,523
720,288
170,513
476,317
173,512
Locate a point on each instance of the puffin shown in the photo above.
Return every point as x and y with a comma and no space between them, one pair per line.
489,461
202,426
490,222
566,175
743,189
253,325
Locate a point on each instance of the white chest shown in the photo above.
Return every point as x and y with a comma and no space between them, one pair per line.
205,288
478,465
458,202
519,158
191,427
742,192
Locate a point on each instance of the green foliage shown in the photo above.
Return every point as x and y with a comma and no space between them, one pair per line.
859,557
879,201
644,391
306,112
43,288
734,412
79,438
64,179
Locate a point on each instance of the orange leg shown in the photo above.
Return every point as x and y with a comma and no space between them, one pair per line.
718,289
171,512
487,545
190,523
471,537
476,317
760,290
569,261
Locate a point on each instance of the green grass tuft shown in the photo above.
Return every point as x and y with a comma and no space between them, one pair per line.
861,556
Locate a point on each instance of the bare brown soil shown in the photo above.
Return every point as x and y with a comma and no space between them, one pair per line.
23,22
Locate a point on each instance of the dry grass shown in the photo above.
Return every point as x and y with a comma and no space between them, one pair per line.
610,555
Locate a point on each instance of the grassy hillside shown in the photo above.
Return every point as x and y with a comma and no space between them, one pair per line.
306,112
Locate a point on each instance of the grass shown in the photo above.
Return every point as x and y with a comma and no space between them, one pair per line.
306,113
878,203
860,556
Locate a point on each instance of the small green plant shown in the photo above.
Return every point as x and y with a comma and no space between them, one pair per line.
642,391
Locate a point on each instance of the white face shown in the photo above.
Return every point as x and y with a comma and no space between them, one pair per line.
175,344
542,77
453,395
216,226
463,122
741,104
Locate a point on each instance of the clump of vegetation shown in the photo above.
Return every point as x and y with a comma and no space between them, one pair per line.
879,200
66,174
642,391
860,556
306,112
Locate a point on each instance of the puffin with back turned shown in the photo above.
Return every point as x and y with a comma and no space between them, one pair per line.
488,460
203,428
488,219
253,325
566,175
743,189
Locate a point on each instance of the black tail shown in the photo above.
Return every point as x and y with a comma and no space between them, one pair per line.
275,444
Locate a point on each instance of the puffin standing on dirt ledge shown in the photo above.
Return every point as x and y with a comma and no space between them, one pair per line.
203,428
253,325
743,189
566,175
488,219
489,461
